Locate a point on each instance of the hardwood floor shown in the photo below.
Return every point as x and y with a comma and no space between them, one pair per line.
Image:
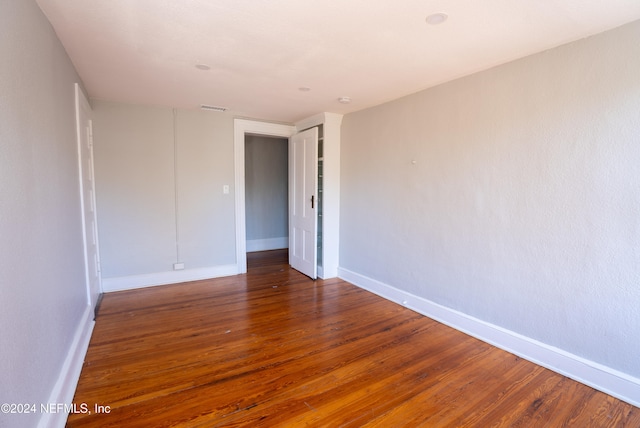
274,348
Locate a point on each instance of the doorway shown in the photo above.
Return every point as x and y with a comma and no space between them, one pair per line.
266,192
242,128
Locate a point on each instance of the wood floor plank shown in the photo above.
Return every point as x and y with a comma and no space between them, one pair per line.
274,348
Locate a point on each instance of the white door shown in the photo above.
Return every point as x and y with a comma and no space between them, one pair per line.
87,194
303,184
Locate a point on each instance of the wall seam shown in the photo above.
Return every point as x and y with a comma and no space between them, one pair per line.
175,183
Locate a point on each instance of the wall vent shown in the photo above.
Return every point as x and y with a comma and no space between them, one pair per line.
212,108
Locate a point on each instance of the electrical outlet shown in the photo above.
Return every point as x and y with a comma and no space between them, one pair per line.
178,266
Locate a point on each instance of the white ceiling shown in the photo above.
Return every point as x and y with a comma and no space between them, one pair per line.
262,51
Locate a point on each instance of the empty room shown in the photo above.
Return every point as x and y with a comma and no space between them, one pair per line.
296,213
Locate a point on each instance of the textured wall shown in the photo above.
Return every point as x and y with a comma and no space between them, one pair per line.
159,181
135,188
42,280
512,195
206,216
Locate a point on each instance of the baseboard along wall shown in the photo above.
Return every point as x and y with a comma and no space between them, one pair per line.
65,386
595,375
163,278
267,244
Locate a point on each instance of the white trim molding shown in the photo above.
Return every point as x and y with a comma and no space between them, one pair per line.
67,382
164,278
595,375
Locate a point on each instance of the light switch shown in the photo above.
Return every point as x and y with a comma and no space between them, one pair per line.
225,189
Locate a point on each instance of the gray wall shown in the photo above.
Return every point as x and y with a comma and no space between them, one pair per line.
159,181
266,187
522,208
42,280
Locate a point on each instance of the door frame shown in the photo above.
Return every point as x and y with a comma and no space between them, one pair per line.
242,127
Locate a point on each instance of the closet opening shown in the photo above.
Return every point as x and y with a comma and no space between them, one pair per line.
242,129
266,190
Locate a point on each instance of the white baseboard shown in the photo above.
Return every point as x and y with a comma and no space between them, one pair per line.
267,244
163,278
65,387
595,375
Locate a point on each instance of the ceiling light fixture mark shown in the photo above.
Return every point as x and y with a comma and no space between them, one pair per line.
203,67
344,100
304,89
437,18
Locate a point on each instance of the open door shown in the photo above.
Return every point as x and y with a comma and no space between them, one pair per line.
88,198
303,185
